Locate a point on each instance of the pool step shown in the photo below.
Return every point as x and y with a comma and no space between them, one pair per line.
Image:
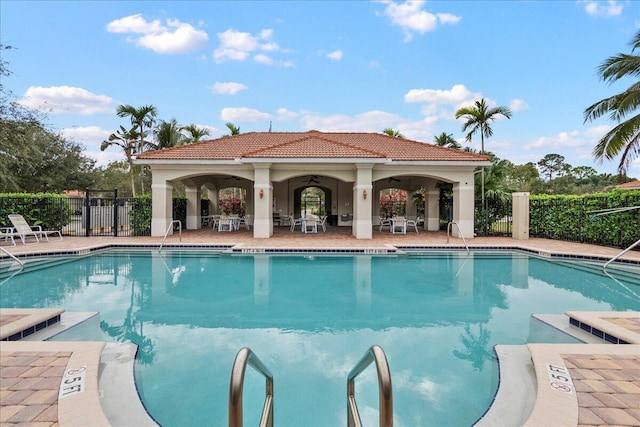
17,323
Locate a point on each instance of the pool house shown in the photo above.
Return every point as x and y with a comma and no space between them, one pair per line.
350,170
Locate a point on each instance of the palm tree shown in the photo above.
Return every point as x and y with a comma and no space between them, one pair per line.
478,118
446,140
625,136
168,134
195,133
142,118
393,132
232,128
125,139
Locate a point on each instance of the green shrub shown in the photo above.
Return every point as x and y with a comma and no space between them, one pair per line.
576,218
51,211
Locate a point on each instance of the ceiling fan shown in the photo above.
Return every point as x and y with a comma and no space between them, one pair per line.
393,178
233,177
313,179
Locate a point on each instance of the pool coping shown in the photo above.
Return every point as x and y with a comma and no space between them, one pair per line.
524,375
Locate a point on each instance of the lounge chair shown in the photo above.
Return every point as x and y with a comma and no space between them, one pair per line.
24,230
7,233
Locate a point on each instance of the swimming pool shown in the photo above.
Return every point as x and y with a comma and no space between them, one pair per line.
311,318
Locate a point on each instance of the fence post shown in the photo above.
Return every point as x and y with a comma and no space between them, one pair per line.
116,206
520,216
87,222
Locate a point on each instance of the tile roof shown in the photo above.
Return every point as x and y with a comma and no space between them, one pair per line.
311,144
633,185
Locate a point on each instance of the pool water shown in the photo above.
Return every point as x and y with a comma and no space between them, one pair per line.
311,318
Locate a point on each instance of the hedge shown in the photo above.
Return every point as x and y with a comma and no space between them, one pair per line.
575,218
51,211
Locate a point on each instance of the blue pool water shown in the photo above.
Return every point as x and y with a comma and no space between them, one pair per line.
310,319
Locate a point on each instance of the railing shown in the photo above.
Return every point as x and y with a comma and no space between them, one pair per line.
13,257
612,211
169,229
449,227
246,356
374,354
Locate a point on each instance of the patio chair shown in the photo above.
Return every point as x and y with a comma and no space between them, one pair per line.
412,223
6,234
323,223
295,222
310,224
399,224
247,221
225,224
384,222
24,230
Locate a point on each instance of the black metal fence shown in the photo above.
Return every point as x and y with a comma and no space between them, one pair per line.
494,219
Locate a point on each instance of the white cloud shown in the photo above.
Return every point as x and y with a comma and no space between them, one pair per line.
518,105
65,99
263,59
173,37
227,88
411,17
458,94
594,133
243,114
602,8
283,114
239,45
335,55
562,140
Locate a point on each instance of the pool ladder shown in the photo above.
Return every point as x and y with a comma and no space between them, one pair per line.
374,354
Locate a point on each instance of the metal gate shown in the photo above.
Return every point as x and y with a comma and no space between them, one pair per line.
101,215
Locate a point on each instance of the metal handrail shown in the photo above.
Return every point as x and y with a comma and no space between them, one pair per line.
13,257
633,245
246,356
374,354
169,229
609,211
459,231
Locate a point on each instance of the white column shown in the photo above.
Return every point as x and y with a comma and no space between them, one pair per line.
161,207
262,195
432,220
520,216
463,208
193,207
362,199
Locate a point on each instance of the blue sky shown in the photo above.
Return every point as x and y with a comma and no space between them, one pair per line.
358,66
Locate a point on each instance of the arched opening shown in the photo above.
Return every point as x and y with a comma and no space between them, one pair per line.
312,200
393,202
232,201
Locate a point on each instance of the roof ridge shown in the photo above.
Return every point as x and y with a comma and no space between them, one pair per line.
312,135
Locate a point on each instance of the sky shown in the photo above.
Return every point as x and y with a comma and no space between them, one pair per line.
355,66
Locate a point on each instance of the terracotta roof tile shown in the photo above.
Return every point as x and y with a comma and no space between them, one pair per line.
311,144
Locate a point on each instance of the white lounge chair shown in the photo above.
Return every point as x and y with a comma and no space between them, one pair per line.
24,230
7,233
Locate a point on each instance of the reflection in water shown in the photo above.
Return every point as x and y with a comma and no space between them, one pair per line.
477,348
437,317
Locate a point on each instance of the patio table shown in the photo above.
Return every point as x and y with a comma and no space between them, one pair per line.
400,224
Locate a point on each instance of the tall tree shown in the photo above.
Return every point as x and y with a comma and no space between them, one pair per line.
142,118
168,134
446,140
195,133
477,119
127,140
552,164
232,128
624,138
393,132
